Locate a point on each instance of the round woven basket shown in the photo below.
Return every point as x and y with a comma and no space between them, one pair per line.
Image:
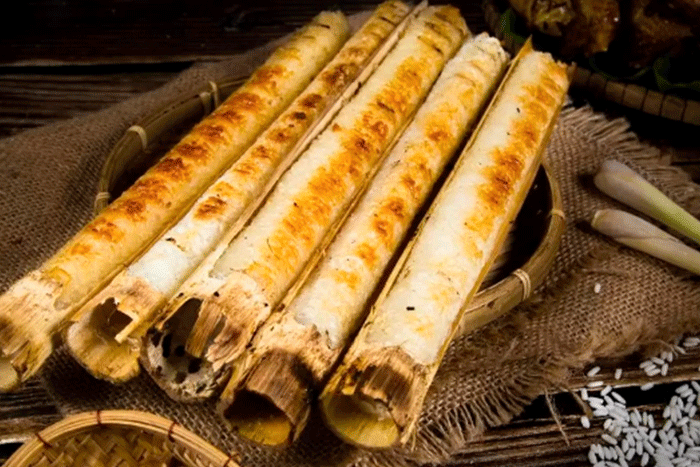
600,86
519,269
118,438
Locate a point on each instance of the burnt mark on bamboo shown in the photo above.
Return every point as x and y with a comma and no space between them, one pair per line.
192,151
267,76
212,207
173,168
311,101
213,133
105,230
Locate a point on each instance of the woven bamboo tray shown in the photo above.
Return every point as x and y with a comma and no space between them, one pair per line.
599,86
520,268
118,438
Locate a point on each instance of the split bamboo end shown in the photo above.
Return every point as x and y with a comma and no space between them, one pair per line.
272,404
92,341
27,327
374,401
183,376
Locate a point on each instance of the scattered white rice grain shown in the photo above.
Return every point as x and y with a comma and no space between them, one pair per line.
592,458
645,364
606,390
618,373
618,398
652,371
597,287
667,426
664,369
585,422
647,386
648,447
595,384
657,360
593,371
584,394
601,412
689,342
695,385
645,459
640,447
682,421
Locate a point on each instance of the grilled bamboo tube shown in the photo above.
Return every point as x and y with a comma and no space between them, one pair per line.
139,292
236,295
374,398
313,330
37,305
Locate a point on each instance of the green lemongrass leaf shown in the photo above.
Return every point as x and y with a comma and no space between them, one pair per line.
508,24
625,185
639,234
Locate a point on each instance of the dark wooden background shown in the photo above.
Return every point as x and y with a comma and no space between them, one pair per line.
64,58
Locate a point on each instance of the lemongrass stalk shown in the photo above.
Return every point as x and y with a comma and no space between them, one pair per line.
627,186
639,234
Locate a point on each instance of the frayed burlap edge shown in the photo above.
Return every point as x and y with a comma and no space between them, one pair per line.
463,424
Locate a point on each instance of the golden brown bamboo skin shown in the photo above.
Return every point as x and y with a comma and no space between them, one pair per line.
34,309
374,398
140,292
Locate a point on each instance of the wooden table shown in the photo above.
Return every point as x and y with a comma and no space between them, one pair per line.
63,59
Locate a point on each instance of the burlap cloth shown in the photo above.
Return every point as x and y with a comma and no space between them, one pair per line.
49,177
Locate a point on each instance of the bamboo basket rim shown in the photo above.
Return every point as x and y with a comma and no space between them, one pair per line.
491,301
599,86
81,423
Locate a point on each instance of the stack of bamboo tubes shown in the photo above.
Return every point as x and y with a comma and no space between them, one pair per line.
276,253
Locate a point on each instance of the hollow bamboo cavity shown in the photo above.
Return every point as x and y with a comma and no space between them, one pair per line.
375,396
237,293
269,395
140,292
35,307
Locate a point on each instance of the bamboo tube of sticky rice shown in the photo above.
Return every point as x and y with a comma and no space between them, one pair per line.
375,396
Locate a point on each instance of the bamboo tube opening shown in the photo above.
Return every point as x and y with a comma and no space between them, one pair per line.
9,378
182,375
94,341
258,419
282,385
360,421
